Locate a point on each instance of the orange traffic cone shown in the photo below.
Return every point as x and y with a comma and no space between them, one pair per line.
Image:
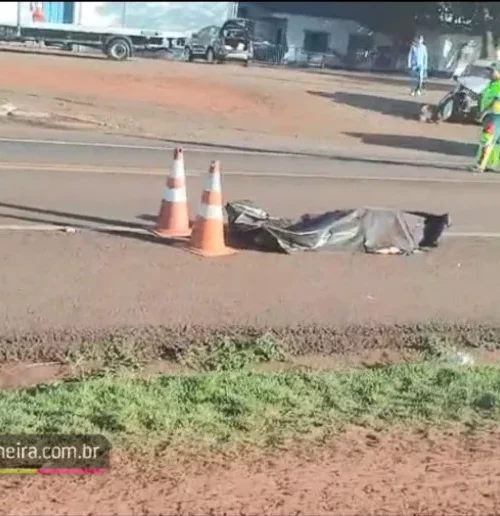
173,219
207,238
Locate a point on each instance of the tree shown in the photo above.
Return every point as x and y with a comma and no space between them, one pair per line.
478,17
399,19
404,18
486,14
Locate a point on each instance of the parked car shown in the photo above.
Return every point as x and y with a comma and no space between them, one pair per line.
231,42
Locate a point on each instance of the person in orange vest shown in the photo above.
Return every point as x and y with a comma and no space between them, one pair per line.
488,156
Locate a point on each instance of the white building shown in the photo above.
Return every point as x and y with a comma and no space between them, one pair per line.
303,36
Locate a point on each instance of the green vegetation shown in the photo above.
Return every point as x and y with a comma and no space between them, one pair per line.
233,355
225,399
109,357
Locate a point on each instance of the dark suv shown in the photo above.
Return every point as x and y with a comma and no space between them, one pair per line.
232,41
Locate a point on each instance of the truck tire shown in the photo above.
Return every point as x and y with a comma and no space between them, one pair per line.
118,49
188,55
209,56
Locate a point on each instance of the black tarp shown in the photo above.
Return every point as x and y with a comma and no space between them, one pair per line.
370,230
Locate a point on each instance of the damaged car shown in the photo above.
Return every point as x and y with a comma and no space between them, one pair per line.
462,103
231,42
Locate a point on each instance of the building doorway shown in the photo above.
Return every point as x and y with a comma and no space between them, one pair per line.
315,42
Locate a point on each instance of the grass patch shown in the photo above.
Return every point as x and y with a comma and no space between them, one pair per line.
222,354
247,406
441,348
234,354
108,357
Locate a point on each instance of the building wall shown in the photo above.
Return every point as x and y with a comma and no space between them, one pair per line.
443,48
251,11
339,32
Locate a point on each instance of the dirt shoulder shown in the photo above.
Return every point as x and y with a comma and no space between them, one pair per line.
361,472
266,107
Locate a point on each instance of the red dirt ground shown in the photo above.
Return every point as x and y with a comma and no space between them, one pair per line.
361,472
221,103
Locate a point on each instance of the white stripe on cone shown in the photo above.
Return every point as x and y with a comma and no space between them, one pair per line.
213,183
209,211
178,169
175,194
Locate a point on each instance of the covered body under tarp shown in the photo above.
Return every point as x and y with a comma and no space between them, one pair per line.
370,230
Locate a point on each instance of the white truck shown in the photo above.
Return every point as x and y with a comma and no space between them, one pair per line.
118,44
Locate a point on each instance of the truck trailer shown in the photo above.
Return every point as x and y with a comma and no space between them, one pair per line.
118,44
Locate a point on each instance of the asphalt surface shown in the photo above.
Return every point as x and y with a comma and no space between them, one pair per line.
136,155
94,280
97,199
54,281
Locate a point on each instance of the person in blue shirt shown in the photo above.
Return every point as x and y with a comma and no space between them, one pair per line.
418,64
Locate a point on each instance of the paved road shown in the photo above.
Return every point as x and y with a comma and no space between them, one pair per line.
102,280
87,282
118,178
142,156
113,199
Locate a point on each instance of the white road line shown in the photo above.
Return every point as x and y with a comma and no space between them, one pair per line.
193,148
464,179
71,229
35,227
256,152
147,231
367,178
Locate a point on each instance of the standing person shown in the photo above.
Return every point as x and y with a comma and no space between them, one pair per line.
487,156
417,64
